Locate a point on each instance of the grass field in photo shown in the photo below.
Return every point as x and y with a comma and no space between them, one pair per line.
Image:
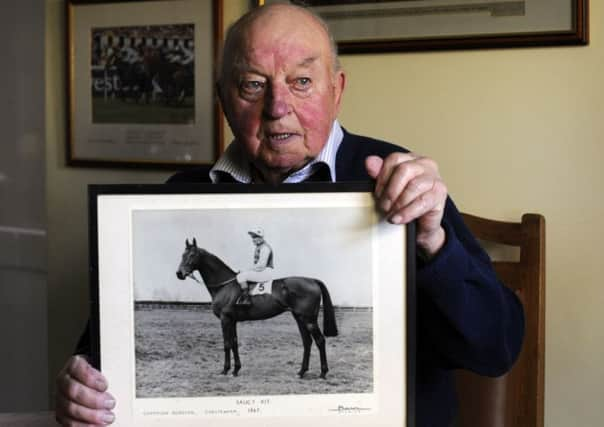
179,353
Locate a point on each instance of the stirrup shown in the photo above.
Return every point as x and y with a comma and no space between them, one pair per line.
244,299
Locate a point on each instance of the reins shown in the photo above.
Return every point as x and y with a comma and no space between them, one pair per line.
215,285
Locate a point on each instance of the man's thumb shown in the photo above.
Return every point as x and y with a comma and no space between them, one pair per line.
373,164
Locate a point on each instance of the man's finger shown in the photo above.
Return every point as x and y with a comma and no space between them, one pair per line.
430,202
389,164
398,184
72,414
413,189
79,369
71,390
373,165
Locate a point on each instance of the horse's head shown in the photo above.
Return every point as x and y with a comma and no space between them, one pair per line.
211,268
190,260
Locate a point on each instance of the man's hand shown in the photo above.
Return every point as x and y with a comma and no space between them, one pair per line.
81,396
409,187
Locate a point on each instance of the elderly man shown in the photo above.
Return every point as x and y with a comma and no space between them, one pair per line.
281,87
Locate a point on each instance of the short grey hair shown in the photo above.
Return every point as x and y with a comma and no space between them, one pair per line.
230,56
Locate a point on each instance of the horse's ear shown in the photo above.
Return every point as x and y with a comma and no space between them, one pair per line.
194,242
187,244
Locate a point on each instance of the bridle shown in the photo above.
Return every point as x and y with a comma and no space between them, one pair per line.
190,276
211,285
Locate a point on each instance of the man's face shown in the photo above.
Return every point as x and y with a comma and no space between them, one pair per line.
257,240
282,96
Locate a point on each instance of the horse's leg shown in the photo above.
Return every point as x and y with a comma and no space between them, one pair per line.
314,330
236,351
227,336
306,342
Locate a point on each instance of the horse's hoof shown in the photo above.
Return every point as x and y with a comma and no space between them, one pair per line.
301,374
224,371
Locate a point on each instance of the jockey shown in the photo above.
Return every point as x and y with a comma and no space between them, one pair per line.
262,269
109,57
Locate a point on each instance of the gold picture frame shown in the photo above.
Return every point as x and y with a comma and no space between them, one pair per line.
141,83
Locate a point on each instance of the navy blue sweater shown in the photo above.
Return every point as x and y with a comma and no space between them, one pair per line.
466,318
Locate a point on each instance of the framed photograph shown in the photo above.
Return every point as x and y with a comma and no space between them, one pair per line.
141,83
327,339
410,25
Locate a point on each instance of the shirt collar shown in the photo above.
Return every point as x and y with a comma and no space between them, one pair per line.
234,162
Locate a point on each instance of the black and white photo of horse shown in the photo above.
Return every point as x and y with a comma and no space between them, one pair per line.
299,295
188,328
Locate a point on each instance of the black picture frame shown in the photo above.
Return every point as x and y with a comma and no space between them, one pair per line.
120,215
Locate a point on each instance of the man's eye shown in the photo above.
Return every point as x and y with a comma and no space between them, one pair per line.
302,83
252,87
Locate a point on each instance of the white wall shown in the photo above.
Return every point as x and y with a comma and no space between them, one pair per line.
23,327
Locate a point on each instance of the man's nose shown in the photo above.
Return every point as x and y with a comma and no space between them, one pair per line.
278,102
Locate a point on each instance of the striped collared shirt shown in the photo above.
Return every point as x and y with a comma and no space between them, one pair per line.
234,161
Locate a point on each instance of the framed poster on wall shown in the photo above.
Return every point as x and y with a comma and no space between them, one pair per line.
330,341
141,83
363,26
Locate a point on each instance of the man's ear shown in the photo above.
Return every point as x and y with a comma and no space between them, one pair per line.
339,85
219,88
219,94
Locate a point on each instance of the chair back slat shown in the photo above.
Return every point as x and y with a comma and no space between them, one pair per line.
517,398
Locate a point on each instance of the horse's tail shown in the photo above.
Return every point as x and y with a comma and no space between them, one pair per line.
330,328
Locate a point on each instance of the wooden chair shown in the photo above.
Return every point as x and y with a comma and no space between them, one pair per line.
514,399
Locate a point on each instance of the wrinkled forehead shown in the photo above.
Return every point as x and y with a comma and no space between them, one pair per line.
283,40
281,52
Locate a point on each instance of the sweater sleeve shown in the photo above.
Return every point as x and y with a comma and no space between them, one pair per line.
466,316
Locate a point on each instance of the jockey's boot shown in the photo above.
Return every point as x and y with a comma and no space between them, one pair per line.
244,298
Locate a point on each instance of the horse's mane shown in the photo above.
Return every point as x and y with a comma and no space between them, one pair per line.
214,260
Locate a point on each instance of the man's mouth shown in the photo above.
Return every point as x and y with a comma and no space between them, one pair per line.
280,137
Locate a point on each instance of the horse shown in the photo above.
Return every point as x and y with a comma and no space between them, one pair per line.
300,295
175,80
134,83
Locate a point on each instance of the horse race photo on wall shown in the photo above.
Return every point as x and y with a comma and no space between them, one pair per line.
143,74
141,82
266,304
